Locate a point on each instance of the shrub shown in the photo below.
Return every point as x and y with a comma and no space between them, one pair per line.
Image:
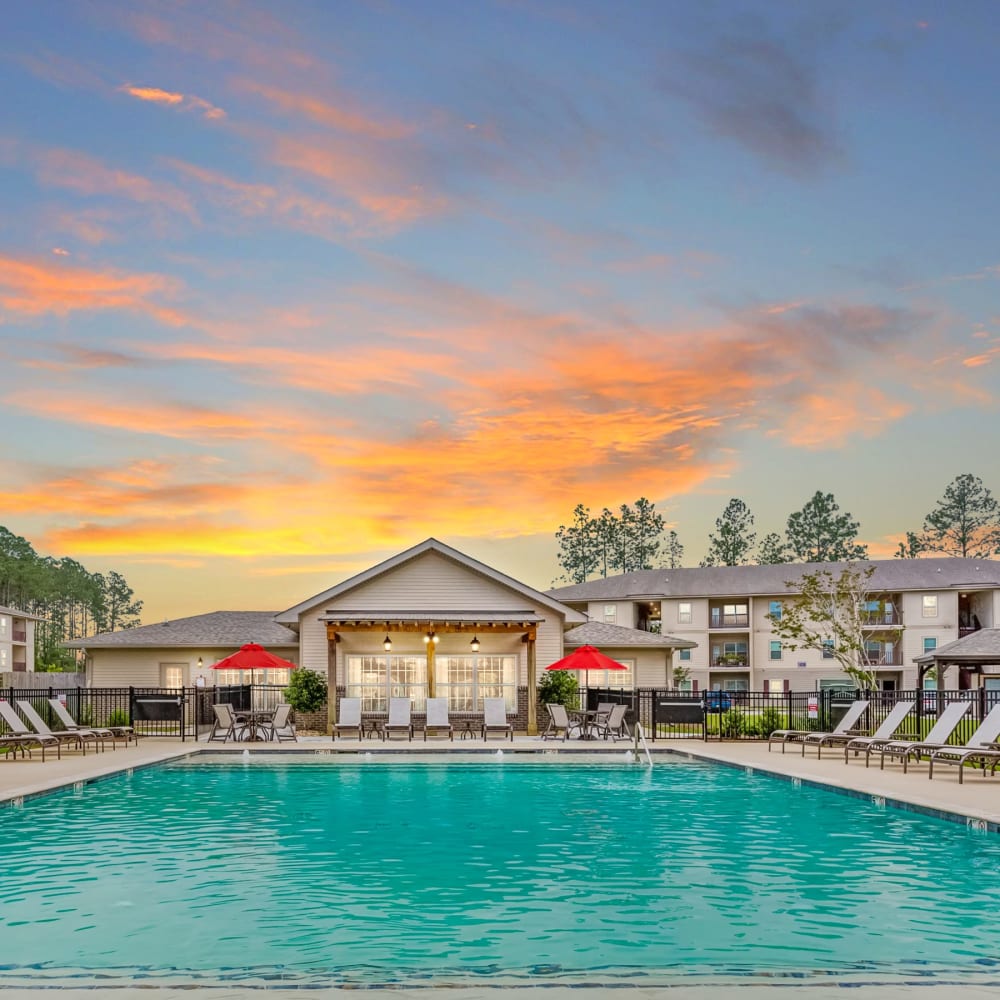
118,717
768,721
559,687
306,690
732,724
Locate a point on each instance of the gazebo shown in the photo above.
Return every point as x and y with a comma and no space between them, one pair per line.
970,653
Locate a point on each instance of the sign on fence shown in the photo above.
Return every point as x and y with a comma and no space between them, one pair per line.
813,707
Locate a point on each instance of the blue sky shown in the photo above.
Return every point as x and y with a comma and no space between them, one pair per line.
286,288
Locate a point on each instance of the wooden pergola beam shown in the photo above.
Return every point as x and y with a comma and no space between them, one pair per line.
441,628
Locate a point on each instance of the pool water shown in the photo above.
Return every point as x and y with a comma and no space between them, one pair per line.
325,870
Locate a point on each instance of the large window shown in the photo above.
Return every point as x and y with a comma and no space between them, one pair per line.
730,654
729,615
232,678
466,680
377,678
616,679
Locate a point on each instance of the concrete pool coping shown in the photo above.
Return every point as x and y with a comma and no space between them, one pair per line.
975,803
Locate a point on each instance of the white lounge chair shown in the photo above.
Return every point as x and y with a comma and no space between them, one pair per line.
559,722
495,718
937,738
977,747
399,718
226,725
436,718
883,734
279,727
850,719
20,737
349,717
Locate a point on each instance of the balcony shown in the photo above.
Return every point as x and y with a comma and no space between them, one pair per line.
730,661
876,619
19,635
891,659
729,621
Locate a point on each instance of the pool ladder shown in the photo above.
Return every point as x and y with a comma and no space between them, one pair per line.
640,737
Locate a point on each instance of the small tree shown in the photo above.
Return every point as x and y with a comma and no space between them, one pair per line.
577,546
735,537
772,550
675,552
832,614
911,548
306,690
559,687
681,673
965,522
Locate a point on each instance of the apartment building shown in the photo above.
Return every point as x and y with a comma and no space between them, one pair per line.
17,640
917,605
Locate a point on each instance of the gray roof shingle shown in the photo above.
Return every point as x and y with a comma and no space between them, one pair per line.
981,645
747,581
602,634
224,629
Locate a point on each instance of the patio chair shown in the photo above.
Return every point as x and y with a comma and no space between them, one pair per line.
850,719
981,746
559,721
437,718
20,737
614,727
280,726
495,718
70,724
399,718
883,734
77,736
937,738
603,711
226,725
349,717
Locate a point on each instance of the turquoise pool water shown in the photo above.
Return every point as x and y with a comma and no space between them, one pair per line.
382,871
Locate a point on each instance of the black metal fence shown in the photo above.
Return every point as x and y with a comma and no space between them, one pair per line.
754,715
181,712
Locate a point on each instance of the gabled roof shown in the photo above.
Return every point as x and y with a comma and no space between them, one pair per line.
747,581
222,629
15,613
291,616
603,634
982,646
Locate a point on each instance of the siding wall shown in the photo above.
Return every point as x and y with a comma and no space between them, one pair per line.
141,667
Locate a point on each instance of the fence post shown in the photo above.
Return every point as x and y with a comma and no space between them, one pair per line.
704,716
131,706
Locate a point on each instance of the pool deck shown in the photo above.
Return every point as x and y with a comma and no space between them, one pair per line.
977,798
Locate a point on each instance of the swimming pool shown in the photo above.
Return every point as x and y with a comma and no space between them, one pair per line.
367,871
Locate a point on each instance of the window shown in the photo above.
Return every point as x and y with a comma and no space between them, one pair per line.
466,680
615,679
172,674
4,621
685,654
684,613
3,658
930,606
729,654
774,610
233,678
376,679
729,615
775,649
828,649
930,643
610,614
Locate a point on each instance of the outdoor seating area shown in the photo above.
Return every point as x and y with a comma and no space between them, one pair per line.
25,731
264,725
606,722
435,721
898,738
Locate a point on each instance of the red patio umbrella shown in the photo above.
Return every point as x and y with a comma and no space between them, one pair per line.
252,656
586,658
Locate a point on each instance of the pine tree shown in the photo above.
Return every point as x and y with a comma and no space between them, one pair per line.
965,522
772,550
735,537
818,533
577,549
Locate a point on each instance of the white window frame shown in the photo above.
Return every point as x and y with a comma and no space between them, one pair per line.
929,606
771,650
685,614
610,616
467,696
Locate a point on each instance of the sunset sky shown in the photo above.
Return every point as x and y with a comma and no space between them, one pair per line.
287,288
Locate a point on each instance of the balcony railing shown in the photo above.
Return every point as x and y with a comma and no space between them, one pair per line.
19,635
873,619
894,659
729,621
730,661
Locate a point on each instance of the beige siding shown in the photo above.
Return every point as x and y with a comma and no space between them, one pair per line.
141,667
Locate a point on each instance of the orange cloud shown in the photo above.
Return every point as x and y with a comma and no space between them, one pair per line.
153,94
30,288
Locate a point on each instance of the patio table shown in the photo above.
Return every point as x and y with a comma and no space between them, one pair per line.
585,717
253,720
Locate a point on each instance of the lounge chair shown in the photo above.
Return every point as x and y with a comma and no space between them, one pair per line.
70,724
883,734
495,718
399,719
559,721
937,738
349,717
79,737
226,725
614,726
977,747
20,737
280,727
850,719
437,719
